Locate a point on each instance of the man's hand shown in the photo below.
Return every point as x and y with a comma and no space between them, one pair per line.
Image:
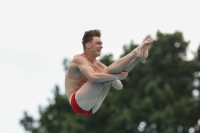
122,75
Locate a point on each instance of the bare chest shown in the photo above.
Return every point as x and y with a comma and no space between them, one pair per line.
97,68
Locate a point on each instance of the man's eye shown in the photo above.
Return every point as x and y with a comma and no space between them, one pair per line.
99,43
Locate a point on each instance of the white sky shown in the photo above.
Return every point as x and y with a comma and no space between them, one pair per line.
36,35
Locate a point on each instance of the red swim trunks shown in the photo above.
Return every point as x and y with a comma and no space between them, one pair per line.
78,109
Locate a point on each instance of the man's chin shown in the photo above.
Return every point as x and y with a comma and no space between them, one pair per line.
98,54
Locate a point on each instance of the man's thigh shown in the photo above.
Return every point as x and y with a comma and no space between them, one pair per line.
88,94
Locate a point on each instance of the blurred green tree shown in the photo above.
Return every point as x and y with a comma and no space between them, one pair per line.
160,95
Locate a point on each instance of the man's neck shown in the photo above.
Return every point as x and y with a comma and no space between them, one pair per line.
89,57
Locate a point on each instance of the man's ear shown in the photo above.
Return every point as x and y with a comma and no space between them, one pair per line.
88,45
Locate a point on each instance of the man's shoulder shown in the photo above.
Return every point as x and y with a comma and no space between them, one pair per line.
74,62
77,56
78,59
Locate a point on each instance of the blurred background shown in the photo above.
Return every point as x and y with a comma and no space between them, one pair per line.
39,38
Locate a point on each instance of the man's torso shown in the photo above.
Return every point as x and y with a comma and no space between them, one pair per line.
74,79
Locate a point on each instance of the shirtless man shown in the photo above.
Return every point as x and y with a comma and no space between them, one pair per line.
88,81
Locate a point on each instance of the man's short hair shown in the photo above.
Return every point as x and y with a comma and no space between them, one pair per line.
88,36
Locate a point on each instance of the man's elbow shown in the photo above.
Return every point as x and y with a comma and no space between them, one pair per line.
118,87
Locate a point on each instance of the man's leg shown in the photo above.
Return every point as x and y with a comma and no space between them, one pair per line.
143,55
91,95
88,94
132,64
101,98
129,61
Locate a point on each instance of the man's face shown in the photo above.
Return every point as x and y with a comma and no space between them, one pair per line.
96,46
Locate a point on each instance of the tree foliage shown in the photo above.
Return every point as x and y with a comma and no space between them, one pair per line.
157,97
